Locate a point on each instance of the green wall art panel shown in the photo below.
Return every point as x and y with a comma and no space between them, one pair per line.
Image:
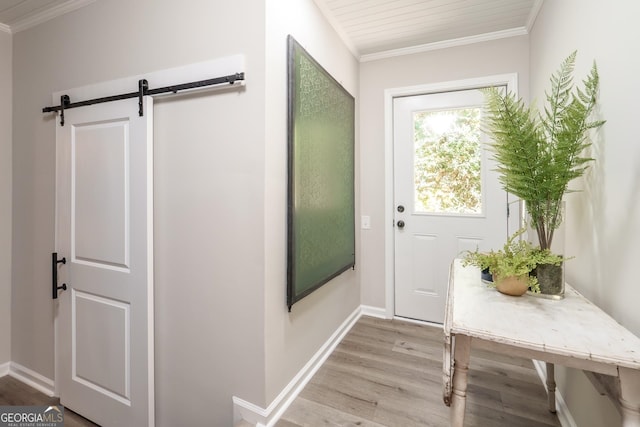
321,200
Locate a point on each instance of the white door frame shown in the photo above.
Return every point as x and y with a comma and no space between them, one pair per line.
510,80
173,76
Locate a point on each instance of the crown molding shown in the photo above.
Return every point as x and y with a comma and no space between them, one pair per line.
48,14
533,14
445,44
4,28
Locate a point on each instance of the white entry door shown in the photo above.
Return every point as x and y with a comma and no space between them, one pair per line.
104,230
447,197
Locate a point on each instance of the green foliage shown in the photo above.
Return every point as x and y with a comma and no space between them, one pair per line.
448,160
517,258
539,153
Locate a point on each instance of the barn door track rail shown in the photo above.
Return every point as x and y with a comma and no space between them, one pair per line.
143,90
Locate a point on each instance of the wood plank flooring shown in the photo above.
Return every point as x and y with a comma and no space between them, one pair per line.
16,393
388,373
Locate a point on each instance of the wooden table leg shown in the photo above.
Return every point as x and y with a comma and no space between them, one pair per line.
551,387
629,396
460,371
447,363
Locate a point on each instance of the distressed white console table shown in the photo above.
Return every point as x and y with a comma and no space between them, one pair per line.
571,332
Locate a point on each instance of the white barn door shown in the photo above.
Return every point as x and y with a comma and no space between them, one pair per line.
104,230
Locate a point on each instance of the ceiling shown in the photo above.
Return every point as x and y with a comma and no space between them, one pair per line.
372,29
18,15
380,28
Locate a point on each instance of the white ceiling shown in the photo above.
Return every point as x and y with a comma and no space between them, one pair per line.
372,29
17,15
380,28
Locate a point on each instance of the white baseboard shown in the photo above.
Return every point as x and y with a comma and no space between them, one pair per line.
267,417
562,410
4,369
380,313
31,378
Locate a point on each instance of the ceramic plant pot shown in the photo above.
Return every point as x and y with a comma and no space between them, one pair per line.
512,285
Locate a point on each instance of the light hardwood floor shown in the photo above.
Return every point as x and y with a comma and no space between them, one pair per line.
16,393
389,373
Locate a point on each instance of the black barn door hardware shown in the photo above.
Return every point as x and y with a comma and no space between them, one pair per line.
143,90
54,274
143,87
64,102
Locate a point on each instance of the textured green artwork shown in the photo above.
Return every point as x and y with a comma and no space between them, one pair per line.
321,206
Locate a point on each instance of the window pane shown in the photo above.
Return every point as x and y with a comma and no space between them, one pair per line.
447,161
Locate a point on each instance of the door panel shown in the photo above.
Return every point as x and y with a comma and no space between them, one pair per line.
100,192
104,228
446,194
424,250
100,364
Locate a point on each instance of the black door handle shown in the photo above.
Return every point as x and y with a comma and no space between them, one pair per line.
400,224
54,274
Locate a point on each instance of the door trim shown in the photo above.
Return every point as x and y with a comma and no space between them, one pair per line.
510,80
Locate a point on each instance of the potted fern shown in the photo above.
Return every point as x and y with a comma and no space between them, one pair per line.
511,266
540,152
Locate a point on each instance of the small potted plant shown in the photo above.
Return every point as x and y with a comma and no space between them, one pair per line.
540,152
511,266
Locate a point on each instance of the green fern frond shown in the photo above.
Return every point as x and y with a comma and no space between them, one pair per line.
539,153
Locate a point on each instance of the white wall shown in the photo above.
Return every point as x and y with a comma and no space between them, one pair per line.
483,59
209,207
222,326
292,338
603,221
5,196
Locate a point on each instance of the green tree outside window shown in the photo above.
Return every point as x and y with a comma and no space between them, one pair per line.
448,161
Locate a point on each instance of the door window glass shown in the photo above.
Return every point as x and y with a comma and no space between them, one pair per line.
448,161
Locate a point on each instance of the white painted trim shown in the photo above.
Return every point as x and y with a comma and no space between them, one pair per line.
48,14
510,80
389,248
535,10
445,44
267,417
4,369
32,378
151,366
5,28
562,410
379,312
